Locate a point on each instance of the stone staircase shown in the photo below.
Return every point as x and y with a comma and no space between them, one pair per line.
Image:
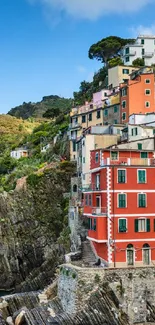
88,256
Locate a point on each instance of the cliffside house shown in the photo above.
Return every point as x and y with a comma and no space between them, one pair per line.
19,153
119,204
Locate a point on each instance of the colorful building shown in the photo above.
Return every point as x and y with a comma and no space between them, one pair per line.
137,95
119,205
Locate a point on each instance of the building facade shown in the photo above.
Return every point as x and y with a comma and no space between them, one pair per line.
144,48
119,205
137,95
117,75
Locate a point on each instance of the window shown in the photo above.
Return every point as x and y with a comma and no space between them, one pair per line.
127,50
121,200
74,188
94,225
125,71
142,200
114,155
98,114
115,121
86,199
97,182
141,176
142,225
84,160
146,254
143,51
130,254
90,117
124,91
83,118
74,146
90,224
96,157
147,104
118,131
124,103
147,91
83,177
122,176
90,200
124,116
98,201
127,59
115,109
122,225
143,155
142,41
134,131
139,146
154,131
105,112
147,81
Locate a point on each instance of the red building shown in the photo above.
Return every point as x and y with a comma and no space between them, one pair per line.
120,206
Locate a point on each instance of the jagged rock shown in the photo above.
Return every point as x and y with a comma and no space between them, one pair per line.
20,318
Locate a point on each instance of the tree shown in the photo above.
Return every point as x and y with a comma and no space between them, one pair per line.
108,48
115,61
138,62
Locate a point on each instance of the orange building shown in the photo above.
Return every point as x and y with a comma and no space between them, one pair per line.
120,206
137,95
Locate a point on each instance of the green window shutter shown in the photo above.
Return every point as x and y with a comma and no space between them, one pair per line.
143,154
132,132
122,201
136,225
122,225
142,200
139,146
148,225
141,176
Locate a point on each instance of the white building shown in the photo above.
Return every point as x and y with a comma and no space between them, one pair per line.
144,47
137,132
45,148
19,153
147,119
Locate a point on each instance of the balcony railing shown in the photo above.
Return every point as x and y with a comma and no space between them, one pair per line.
74,125
131,53
148,54
99,210
128,161
90,187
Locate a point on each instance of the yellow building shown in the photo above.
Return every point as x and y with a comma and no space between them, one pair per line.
116,75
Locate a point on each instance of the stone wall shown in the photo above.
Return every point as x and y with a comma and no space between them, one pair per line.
134,288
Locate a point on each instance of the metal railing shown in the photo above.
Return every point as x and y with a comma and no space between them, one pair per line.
128,161
90,187
99,210
148,54
74,125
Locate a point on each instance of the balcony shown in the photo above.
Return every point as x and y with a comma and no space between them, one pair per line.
74,125
131,53
99,210
148,54
128,162
90,187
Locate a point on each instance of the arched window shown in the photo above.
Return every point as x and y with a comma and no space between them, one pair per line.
74,188
146,254
130,254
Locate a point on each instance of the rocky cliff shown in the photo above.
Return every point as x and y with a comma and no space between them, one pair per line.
31,220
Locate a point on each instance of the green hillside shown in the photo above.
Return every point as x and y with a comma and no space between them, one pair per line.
49,106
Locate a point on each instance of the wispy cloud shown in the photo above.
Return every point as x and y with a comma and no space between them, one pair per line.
81,69
142,30
93,9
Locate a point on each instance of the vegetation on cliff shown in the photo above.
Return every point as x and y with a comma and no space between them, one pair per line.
49,107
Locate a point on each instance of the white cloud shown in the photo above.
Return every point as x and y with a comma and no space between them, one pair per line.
93,9
81,69
142,30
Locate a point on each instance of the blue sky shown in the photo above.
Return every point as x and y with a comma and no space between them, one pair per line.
44,43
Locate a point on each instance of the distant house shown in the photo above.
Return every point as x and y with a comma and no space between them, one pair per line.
45,148
19,153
